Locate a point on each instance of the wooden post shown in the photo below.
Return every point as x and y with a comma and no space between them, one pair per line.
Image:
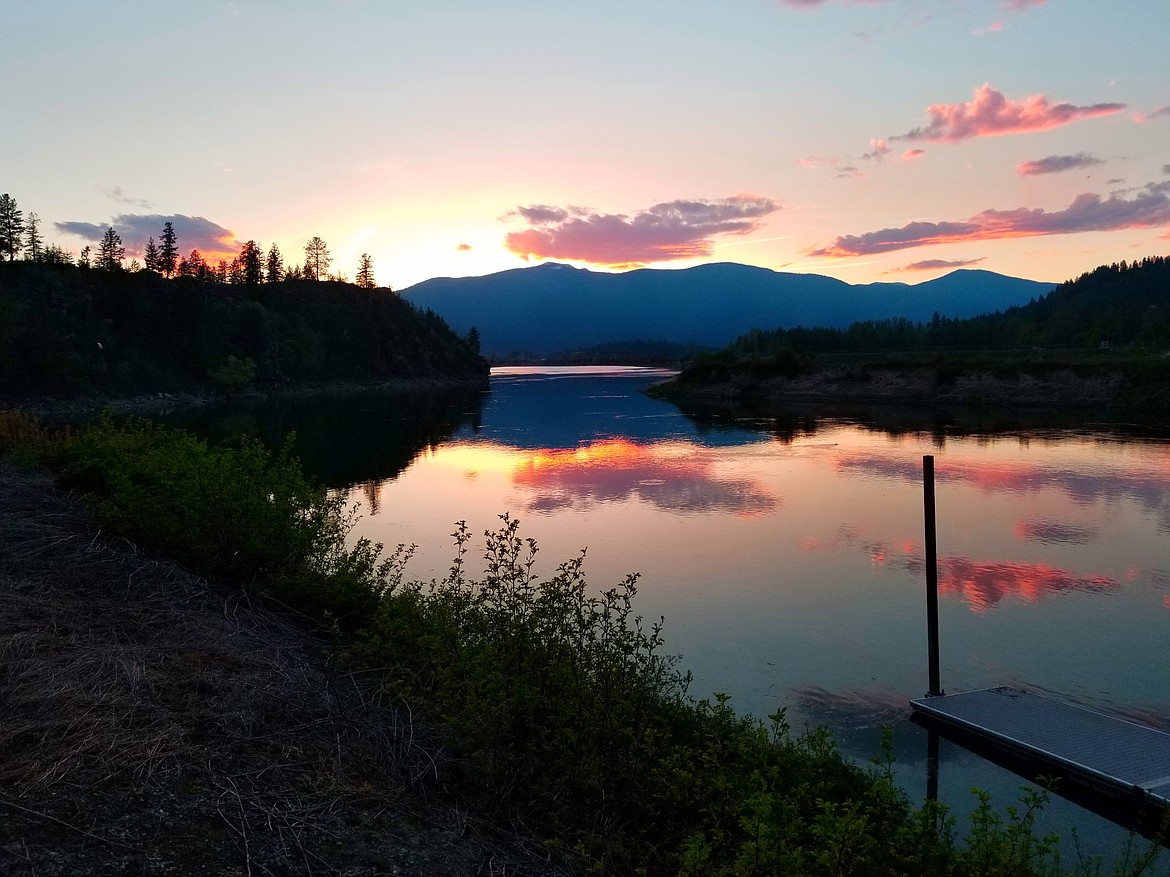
931,575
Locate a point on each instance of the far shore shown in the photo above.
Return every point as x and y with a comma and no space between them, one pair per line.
158,403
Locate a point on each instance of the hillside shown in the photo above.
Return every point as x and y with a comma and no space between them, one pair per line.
1098,342
555,308
67,331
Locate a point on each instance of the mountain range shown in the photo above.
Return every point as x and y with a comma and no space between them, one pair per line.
555,308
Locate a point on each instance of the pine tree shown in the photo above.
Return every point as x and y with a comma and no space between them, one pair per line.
365,274
251,265
168,253
275,266
151,256
110,251
11,227
317,259
83,259
34,243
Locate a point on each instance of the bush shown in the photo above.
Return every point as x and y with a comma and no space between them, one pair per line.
242,515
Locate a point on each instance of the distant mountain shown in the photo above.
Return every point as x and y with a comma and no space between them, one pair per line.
554,308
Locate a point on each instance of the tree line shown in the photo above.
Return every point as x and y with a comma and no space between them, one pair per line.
1121,304
20,237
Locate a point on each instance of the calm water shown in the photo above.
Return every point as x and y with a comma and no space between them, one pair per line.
787,555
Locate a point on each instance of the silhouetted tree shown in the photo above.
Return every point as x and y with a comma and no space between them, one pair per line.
194,266
365,274
151,256
168,252
221,272
110,251
317,259
473,339
274,268
33,241
11,227
251,267
55,255
83,259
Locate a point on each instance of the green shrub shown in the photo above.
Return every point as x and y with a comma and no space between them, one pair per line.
241,514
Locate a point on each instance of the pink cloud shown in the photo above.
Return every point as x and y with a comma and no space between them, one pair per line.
879,149
1149,208
990,114
1055,164
664,232
936,264
910,154
1160,113
464,248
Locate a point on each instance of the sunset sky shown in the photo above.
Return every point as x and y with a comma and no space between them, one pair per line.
875,140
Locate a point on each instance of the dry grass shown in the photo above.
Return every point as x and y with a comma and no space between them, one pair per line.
152,724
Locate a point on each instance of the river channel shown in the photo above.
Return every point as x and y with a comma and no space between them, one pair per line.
786,554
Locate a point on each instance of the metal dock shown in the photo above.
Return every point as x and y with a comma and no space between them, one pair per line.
1102,752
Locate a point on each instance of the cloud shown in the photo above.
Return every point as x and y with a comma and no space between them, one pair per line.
1021,5
1160,113
117,194
683,229
879,149
911,154
936,264
191,232
990,114
1054,164
1166,169
1150,208
464,248
814,4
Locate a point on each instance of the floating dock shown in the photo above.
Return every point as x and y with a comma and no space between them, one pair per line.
1104,753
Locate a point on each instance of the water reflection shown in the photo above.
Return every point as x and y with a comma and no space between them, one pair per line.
786,550
345,439
1092,483
676,477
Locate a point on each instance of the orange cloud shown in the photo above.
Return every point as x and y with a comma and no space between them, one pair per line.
1055,164
665,232
990,114
913,153
1149,208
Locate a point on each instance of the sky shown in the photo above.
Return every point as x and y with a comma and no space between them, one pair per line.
861,139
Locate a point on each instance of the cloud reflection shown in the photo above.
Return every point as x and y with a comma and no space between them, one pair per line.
1149,488
672,476
1049,532
982,584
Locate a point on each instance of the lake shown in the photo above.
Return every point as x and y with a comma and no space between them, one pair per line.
786,554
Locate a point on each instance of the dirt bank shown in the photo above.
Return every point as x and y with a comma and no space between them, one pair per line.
153,724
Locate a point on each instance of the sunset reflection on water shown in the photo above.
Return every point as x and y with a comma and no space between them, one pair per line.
787,556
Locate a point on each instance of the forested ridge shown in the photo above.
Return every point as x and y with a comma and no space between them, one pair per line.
1115,305
67,330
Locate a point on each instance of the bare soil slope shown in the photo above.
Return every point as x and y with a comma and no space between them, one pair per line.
151,724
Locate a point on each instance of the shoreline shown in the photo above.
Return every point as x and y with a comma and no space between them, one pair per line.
1062,389
157,403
